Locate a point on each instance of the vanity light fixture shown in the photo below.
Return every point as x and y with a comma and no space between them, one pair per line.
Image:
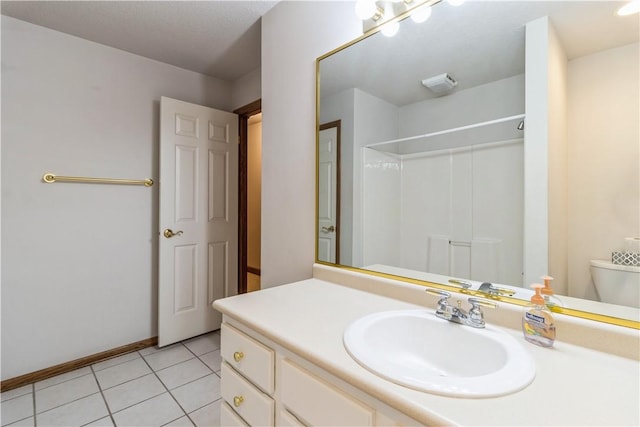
630,8
386,14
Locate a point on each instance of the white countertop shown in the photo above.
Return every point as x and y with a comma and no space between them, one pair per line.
573,385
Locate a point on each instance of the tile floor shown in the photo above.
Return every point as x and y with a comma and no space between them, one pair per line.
177,385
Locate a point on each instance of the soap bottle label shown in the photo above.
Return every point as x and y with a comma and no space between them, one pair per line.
538,328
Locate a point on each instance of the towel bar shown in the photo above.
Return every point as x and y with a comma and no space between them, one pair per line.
50,178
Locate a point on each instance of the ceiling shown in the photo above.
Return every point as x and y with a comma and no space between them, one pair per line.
221,39
477,43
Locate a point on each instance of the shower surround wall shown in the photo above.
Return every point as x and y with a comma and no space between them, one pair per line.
451,211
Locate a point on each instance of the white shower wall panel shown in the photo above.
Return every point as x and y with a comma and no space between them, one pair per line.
381,203
426,209
498,205
471,198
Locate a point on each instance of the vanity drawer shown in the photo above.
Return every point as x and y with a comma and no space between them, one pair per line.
302,391
249,357
229,418
255,407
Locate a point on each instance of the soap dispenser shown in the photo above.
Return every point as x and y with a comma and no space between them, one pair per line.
538,326
547,292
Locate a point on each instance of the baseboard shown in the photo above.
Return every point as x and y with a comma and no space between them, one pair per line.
62,368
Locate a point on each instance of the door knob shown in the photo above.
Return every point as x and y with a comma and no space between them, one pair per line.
330,229
168,233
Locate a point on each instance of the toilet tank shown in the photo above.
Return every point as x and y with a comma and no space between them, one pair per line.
616,283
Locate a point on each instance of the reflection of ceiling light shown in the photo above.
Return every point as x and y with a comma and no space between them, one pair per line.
455,2
421,14
630,8
390,29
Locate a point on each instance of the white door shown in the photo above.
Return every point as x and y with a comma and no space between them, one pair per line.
328,146
198,217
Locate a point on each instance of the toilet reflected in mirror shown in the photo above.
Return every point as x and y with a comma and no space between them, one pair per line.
616,283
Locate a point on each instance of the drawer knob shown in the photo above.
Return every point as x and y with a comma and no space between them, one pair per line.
237,356
237,400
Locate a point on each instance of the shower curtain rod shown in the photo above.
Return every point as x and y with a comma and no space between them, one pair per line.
442,132
50,178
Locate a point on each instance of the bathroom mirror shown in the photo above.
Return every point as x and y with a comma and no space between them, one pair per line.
487,181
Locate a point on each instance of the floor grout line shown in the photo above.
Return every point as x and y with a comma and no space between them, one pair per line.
33,393
103,397
169,391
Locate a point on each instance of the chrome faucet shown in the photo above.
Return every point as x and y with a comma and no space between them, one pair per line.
474,317
491,290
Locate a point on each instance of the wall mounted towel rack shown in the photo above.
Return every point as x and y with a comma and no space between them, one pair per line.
50,178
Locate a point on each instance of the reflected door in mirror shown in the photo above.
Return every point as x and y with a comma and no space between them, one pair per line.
328,192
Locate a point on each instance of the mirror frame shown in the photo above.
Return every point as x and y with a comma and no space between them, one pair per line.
598,317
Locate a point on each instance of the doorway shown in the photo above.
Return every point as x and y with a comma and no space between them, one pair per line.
249,192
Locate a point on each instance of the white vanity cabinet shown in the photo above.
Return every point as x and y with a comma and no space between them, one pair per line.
263,384
247,373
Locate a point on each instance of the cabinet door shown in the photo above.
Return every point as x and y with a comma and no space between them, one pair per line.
302,393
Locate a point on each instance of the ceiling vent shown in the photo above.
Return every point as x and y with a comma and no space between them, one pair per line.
440,84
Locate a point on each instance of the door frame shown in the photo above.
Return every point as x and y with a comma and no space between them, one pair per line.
243,113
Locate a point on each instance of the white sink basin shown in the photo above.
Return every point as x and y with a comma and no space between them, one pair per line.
415,349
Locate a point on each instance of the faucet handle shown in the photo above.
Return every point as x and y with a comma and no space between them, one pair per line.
491,290
461,284
437,292
443,303
476,317
476,303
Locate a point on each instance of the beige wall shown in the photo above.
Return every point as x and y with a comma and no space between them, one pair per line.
604,159
557,198
254,159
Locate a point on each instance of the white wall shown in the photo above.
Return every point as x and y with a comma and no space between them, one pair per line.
246,89
498,99
536,151
604,159
294,34
341,106
79,261
375,217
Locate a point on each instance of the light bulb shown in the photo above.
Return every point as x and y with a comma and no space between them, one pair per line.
421,14
455,2
365,9
629,8
390,28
